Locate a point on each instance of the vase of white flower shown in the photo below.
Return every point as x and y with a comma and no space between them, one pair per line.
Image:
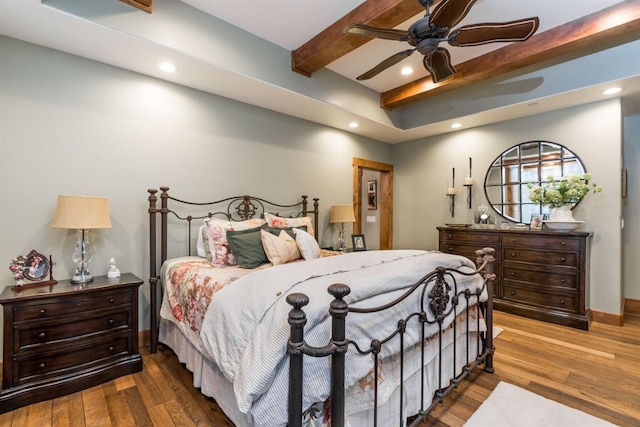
561,214
562,195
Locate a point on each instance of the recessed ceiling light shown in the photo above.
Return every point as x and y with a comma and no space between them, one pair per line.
406,71
611,90
456,125
353,125
167,67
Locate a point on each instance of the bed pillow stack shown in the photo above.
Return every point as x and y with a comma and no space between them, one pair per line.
254,242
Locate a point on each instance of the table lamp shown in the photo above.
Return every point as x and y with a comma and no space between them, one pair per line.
342,214
82,213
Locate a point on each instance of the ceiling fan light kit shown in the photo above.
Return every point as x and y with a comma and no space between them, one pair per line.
435,27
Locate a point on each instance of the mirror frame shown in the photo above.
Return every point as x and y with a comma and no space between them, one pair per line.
532,162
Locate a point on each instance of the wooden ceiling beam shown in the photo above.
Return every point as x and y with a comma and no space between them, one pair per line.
613,26
145,5
332,43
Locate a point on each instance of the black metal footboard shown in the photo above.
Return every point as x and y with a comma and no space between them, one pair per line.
438,297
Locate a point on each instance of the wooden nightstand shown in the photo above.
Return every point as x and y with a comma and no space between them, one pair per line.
67,337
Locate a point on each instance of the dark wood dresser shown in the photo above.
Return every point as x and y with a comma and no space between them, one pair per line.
67,337
540,274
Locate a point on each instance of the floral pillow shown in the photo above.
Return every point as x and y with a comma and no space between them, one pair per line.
216,244
280,222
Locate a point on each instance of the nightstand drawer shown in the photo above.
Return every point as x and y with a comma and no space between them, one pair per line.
70,307
52,332
65,361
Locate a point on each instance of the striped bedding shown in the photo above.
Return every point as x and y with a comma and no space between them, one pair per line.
245,331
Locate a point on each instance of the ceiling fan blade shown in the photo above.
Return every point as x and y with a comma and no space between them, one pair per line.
476,34
448,13
392,60
377,32
439,65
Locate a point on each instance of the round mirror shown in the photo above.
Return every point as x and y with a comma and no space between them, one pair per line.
508,177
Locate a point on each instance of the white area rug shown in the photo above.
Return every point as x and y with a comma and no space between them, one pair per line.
512,406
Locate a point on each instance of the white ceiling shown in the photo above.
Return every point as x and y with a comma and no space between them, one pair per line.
114,33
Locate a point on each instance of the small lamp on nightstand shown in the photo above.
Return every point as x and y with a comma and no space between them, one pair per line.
82,213
342,214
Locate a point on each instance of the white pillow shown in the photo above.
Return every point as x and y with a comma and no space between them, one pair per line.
200,250
307,245
280,249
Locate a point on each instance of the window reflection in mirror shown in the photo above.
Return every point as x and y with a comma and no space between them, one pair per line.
508,177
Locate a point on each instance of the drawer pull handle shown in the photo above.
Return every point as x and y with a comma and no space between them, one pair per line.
42,366
111,349
513,274
563,243
111,322
485,238
513,292
563,280
43,311
513,255
513,240
42,336
562,302
563,259
111,300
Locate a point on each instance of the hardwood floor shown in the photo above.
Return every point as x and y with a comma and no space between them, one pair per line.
597,372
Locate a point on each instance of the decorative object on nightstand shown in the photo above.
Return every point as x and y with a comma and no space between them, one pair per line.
32,270
114,271
341,214
468,182
65,338
451,192
82,213
358,242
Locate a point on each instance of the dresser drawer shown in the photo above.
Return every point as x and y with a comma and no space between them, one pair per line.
545,257
480,240
68,328
66,361
536,297
70,307
567,280
542,241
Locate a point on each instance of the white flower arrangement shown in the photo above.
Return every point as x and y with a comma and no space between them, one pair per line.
569,190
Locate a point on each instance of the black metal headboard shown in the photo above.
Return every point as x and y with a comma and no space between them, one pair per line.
236,208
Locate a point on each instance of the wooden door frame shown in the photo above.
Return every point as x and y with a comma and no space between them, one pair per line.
385,198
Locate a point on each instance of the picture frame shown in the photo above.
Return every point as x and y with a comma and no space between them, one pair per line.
372,195
32,270
358,242
536,222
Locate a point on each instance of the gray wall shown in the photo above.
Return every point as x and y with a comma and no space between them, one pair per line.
593,132
631,207
73,126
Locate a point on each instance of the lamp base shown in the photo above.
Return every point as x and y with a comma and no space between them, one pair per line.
82,277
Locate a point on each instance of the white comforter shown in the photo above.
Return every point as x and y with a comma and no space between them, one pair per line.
245,329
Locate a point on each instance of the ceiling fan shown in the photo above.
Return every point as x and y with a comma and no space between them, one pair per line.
428,32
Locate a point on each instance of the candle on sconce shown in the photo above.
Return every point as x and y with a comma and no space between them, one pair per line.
451,190
468,181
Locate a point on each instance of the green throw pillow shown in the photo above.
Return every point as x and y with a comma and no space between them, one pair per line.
246,247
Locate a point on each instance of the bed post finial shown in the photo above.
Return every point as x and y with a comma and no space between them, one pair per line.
297,320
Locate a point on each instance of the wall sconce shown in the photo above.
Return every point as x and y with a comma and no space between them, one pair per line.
451,192
82,213
468,182
341,214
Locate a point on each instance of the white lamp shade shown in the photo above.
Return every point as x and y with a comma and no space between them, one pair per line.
82,212
342,213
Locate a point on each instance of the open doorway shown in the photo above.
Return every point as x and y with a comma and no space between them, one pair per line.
384,198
